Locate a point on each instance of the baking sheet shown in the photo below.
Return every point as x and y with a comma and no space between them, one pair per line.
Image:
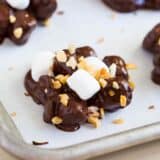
84,22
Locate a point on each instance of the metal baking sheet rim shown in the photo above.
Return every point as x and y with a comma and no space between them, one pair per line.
11,141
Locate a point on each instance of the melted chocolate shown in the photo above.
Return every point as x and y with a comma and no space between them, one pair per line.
24,20
109,97
132,5
151,43
77,110
120,63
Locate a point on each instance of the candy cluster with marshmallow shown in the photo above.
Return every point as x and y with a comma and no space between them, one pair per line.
76,87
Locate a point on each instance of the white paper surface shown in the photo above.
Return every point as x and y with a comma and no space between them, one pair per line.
83,22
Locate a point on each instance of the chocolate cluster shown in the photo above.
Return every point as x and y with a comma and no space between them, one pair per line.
63,107
151,43
18,24
132,5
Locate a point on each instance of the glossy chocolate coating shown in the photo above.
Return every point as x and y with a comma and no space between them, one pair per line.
61,68
39,10
26,22
112,103
43,9
77,112
152,40
132,5
4,20
120,63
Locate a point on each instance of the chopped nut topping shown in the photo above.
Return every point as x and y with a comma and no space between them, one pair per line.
102,73
94,121
131,66
56,84
56,120
158,42
62,78
113,69
12,19
123,101
115,85
103,83
131,84
101,112
94,114
72,49
112,93
81,59
61,56
18,32
92,109
72,63
118,121
64,99
100,40
46,22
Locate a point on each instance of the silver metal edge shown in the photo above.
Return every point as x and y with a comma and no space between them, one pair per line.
11,141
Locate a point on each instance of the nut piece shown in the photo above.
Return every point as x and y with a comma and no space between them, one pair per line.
132,85
111,93
56,120
123,101
64,98
72,49
12,19
158,42
62,78
46,22
94,121
131,66
101,112
61,56
56,84
72,63
115,85
118,121
18,32
102,82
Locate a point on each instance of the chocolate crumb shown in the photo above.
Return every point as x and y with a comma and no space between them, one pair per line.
151,107
39,143
60,13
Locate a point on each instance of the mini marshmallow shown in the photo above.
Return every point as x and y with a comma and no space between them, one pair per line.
83,84
42,64
96,63
19,4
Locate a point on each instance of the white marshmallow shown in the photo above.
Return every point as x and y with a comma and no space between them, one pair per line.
19,4
42,64
83,84
96,63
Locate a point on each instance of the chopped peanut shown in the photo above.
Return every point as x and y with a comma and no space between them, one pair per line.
72,63
123,101
131,84
118,121
62,78
56,84
12,19
61,56
101,112
94,121
56,120
64,99
18,32
102,82
131,66
112,93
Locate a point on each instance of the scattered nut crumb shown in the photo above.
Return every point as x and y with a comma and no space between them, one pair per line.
111,93
101,113
132,85
94,121
131,66
61,56
100,40
39,143
60,12
18,32
64,99
151,107
13,114
46,22
12,19
118,121
56,84
123,101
